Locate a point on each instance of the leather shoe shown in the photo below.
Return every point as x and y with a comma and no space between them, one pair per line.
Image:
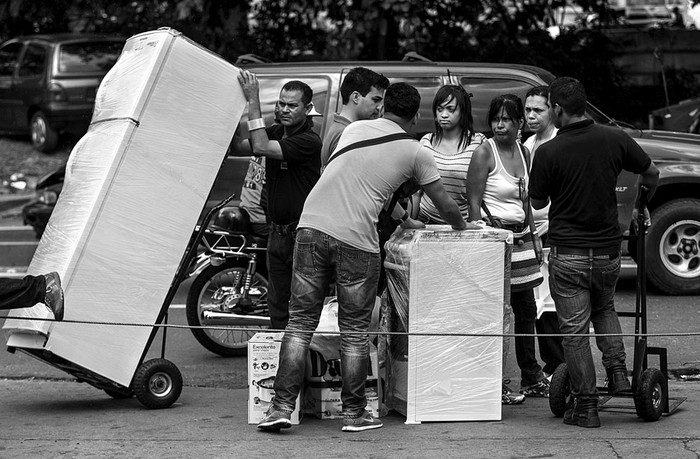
584,414
618,382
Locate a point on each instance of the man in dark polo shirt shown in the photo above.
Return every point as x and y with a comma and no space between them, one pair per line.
577,170
292,152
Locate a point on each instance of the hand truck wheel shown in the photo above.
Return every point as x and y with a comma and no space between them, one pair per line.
560,391
157,383
651,396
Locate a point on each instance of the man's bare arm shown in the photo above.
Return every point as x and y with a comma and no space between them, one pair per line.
446,206
260,143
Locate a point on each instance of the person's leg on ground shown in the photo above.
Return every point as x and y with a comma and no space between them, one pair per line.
357,273
569,281
606,272
280,252
508,397
311,276
551,351
533,382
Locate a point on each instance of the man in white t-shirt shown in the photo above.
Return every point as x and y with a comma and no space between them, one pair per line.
538,115
337,236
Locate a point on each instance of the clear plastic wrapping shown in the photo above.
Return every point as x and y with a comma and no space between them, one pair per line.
442,286
135,186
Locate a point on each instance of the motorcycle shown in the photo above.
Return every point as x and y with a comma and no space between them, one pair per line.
229,291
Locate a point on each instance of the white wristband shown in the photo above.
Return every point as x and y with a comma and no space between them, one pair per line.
257,123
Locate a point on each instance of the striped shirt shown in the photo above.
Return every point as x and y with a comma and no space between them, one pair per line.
453,172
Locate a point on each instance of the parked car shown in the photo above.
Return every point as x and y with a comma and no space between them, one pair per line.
48,84
647,16
683,116
673,260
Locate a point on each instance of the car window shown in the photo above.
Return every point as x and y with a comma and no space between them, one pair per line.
483,89
270,87
33,62
89,57
9,57
427,86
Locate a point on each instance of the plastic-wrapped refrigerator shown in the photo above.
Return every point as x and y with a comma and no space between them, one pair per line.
135,187
446,289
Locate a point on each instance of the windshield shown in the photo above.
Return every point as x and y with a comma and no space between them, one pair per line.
89,57
597,116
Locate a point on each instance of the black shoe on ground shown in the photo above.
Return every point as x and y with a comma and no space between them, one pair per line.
583,414
618,382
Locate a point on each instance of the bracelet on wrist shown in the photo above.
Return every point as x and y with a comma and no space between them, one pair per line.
257,123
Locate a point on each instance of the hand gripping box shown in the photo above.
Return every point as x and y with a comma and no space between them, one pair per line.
448,287
263,361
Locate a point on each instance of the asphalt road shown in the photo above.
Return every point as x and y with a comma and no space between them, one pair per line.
666,315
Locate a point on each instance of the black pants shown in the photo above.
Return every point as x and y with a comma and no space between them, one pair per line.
525,312
551,350
280,257
22,293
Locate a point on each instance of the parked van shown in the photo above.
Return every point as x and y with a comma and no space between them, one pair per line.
673,252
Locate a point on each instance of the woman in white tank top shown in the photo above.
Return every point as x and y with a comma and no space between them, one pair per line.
498,175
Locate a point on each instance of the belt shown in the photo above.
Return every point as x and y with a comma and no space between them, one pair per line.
284,229
514,227
610,252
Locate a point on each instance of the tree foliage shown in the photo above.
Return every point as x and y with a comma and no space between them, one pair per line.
514,31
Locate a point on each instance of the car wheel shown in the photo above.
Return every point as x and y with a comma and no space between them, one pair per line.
673,247
44,138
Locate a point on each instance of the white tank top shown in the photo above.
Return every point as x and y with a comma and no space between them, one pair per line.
502,191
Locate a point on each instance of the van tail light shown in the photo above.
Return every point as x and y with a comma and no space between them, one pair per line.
57,93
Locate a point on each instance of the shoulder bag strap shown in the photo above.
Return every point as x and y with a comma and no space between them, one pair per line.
529,218
371,142
488,214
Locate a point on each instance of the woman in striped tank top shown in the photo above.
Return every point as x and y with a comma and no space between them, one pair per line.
453,143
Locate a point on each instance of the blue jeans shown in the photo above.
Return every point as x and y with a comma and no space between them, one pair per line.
583,289
317,256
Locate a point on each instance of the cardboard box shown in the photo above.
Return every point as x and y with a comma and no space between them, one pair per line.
323,384
322,398
263,362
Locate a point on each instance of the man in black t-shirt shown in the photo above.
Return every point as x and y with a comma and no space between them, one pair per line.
292,152
577,170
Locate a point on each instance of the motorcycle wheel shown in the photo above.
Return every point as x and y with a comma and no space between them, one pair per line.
226,342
